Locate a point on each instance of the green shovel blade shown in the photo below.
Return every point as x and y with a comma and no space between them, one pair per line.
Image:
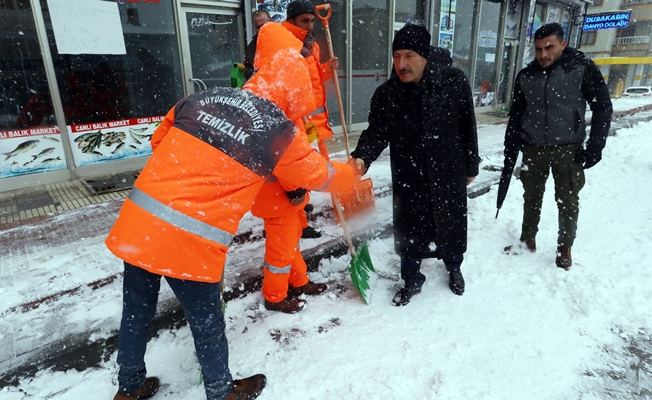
363,274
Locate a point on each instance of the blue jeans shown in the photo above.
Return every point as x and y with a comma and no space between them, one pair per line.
411,269
203,309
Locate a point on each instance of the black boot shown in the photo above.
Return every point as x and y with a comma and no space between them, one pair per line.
403,296
310,233
456,282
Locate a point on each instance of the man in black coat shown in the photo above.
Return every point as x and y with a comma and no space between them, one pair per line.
547,123
425,114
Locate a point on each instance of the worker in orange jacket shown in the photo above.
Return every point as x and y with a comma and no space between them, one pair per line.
282,207
211,155
300,21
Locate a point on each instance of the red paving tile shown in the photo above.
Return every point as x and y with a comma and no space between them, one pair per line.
54,230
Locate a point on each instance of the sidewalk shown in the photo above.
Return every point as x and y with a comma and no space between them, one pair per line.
75,226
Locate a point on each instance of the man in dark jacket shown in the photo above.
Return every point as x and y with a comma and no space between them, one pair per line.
259,18
425,114
547,122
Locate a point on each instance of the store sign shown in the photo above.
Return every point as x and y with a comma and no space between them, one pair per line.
29,150
98,142
615,20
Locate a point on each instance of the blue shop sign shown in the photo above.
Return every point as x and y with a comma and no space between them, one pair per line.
606,21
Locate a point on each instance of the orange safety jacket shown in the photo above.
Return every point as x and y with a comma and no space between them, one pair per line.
319,73
212,153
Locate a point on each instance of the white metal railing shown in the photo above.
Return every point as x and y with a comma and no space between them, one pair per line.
632,40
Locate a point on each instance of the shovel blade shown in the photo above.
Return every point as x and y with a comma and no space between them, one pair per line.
358,201
363,274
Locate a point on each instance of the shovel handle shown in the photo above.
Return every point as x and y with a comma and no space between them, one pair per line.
324,20
340,214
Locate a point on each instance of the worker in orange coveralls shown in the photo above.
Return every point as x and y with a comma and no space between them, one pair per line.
300,21
211,156
282,207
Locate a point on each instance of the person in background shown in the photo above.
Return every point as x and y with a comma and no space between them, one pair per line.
258,19
425,115
184,209
547,123
37,110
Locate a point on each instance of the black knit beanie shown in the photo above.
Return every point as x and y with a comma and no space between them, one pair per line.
412,37
298,7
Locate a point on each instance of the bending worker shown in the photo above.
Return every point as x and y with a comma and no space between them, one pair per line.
212,154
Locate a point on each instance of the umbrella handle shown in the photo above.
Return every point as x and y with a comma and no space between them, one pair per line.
324,20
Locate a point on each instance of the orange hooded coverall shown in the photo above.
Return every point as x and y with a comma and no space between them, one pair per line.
284,222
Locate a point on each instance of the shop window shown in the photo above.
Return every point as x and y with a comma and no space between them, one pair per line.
485,61
370,42
455,32
29,138
114,92
589,38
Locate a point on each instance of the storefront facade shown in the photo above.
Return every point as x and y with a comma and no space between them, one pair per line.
84,83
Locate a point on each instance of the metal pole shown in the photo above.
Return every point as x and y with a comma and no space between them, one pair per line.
349,64
48,65
500,49
390,58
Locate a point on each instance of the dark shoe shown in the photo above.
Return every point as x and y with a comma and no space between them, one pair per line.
530,245
456,282
564,259
311,289
148,390
310,233
247,388
403,296
289,305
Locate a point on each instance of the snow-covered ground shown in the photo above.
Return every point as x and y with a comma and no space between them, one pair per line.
524,329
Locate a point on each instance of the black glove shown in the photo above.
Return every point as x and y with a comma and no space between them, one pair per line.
296,194
588,157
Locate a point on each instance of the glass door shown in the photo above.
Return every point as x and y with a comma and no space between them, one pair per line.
507,72
211,41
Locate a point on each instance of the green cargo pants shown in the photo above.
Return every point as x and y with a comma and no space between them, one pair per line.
569,180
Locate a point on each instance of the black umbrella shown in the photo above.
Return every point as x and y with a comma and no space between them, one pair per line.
505,178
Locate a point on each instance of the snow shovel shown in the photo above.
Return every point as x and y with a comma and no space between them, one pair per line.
361,269
360,199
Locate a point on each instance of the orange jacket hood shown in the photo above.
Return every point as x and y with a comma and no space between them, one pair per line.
282,73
